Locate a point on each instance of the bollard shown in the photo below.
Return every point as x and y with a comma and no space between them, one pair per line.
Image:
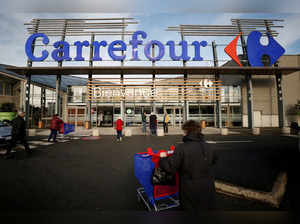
40,124
256,131
203,124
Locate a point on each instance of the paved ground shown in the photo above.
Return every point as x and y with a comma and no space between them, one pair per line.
98,174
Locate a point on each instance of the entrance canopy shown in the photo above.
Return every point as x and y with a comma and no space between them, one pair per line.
163,70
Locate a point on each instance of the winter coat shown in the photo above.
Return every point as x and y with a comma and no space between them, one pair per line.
144,118
55,123
119,124
193,160
153,121
18,128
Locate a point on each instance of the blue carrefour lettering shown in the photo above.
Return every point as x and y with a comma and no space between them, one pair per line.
161,50
29,47
62,52
79,46
184,55
135,42
197,45
114,47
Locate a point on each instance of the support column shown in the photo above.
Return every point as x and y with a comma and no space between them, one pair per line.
122,105
43,102
89,106
153,81
250,101
186,105
57,95
218,90
27,99
280,100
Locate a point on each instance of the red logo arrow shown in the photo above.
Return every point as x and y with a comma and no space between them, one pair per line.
230,49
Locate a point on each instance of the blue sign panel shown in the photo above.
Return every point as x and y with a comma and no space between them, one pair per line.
256,50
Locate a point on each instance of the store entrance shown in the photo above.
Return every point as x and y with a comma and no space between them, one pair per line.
105,116
175,114
231,116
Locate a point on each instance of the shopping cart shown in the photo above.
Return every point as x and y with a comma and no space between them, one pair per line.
66,129
155,197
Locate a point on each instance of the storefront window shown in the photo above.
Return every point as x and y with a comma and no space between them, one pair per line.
159,110
194,110
147,110
117,110
207,109
137,110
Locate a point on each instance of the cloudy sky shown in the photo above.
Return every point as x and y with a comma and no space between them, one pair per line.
153,17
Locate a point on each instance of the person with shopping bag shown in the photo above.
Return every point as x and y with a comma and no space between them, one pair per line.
193,160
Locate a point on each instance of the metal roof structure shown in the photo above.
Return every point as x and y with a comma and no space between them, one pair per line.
159,70
49,82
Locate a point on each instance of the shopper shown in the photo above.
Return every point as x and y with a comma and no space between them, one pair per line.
144,122
100,119
193,160
18,134
153,123
119,128
165,122
55,126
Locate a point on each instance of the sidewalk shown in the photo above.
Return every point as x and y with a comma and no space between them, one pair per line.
81,131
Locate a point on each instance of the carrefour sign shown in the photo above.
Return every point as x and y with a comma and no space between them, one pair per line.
61,51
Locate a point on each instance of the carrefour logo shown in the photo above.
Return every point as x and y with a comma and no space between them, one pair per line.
117,49
256,51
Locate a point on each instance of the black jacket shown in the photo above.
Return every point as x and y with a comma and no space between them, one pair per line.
18,128
153,121
193,160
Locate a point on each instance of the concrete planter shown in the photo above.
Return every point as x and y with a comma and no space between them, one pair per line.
285,130
160,132
224,131
96,132
128,132
31,132
256,131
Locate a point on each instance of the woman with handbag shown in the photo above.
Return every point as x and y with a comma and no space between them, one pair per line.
193,160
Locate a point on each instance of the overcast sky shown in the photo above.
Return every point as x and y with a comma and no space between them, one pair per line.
153,17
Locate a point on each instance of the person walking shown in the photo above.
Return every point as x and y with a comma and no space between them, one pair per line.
18,134
54,127
119,128
153,123
193,160
100,119
165,122
144,122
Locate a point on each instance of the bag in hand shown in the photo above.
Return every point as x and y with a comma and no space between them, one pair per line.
161,177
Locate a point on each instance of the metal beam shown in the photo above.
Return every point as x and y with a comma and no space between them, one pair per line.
217,78
161,70
280,100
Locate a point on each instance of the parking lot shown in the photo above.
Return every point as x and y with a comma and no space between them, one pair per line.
98,174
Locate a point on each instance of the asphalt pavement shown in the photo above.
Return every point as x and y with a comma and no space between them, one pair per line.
97,175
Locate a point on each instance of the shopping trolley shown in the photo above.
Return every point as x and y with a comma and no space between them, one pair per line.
155,197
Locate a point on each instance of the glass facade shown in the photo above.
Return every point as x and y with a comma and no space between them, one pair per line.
197,110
